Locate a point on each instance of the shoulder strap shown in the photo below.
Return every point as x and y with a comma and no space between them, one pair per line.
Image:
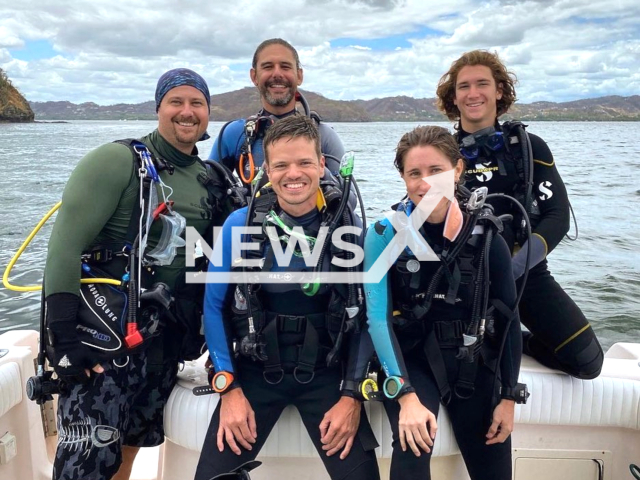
516,135
144,160
261,206
315,116
225,191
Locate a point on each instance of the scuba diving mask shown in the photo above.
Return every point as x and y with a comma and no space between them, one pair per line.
481,143
273,222
173,224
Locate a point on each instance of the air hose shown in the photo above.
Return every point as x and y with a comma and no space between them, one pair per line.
23,247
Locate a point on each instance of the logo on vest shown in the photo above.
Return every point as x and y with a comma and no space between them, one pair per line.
64,362
545,190
442,296
101,302
485,171
94,333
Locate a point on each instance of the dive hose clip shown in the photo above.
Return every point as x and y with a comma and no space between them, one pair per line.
471,347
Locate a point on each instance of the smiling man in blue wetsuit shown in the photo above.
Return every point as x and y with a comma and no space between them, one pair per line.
277,73
295,344
475,91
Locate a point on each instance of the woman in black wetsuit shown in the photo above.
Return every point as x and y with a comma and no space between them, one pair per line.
437,326
475,91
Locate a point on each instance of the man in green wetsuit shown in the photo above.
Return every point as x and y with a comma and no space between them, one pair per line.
109,411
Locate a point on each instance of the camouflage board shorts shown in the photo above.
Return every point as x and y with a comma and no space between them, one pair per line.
122,406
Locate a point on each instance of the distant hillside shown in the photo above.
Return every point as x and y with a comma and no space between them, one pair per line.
593,109
402,108
14,108
245,102
93,111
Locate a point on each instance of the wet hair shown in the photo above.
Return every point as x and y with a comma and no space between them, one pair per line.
293,126
275,41
422,136
505,81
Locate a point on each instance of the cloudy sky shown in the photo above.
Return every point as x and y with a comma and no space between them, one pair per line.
113,51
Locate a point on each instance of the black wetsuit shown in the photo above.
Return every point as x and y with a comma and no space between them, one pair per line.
402,348
561,336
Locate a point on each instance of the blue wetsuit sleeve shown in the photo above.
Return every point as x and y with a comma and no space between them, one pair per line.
215,153
226,146
378,297
217,290
332,147
503,288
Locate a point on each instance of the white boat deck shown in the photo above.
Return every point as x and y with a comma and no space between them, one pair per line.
570,429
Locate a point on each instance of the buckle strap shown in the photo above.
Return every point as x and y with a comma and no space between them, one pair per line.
304,371
273,372
436,362
104,253
308,356
98,255
297,323
448,332
290,323
465,383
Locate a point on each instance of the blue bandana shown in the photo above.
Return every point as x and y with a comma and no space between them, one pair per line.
178,77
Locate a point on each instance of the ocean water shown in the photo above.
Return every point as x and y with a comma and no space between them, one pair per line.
598,163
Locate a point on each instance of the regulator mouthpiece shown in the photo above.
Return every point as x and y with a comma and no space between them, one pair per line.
346,164
477,199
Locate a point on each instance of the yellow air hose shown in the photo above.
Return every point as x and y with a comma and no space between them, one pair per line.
34,288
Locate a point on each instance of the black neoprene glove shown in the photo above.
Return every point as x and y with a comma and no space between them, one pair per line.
70,356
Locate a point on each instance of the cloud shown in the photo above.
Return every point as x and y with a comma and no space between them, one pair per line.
113,52
8,39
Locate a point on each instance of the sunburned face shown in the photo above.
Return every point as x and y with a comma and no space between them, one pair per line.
421,162
183,116
476,97
295,171
277,77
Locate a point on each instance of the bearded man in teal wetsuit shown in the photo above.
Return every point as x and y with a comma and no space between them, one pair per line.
111,409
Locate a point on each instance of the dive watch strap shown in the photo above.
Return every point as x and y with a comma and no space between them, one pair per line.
519,394
203,390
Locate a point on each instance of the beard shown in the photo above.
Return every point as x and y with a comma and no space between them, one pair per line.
277,101
188,137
